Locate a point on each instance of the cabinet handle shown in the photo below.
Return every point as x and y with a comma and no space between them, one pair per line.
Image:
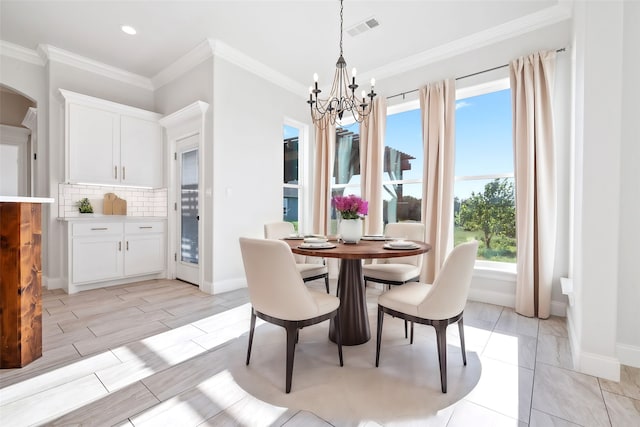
115,168
119,246
127,245
123,173
145,226
98,228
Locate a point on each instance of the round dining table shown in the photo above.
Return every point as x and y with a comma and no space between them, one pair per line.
354,319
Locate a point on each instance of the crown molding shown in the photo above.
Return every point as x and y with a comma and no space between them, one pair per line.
216,48
191,111
52,53
516,27
20,53
228,53
186,62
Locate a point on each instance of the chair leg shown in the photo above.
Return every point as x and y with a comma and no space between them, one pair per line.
461,331
411,341
405,329
292,331
339,337
379,334
326,283
441,338
251,329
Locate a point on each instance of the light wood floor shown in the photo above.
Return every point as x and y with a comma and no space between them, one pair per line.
130,355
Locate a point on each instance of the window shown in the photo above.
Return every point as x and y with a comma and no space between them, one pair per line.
293,190
484,193
346,166
402,170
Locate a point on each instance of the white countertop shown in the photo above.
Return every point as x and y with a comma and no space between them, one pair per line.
101,217
20,199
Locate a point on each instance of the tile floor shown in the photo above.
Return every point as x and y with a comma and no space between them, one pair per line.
139,354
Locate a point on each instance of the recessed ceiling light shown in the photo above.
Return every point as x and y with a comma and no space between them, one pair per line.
128,29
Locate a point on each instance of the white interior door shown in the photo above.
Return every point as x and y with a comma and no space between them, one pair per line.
187,206
15,164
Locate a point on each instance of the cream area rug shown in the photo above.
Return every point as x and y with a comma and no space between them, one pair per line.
406,386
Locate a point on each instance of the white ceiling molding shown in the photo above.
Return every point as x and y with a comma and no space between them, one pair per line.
53,53
190,112
186,62
21,53
211,47
242,60
534,21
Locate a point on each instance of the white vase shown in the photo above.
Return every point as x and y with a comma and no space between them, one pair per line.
351,230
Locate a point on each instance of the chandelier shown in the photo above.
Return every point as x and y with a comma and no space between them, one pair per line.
342,97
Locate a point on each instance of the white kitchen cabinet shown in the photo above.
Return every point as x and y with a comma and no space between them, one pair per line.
144,248
111,144
140,152
96,252
105,252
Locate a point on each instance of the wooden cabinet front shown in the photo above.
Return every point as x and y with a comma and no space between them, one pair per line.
20,284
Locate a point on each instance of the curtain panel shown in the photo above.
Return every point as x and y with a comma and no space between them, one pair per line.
325,136
532,79
372,132
438,106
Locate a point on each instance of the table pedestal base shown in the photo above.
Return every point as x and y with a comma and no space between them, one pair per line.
354,319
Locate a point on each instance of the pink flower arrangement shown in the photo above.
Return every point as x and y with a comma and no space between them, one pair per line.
350,207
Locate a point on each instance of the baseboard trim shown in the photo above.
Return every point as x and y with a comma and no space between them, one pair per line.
600,366
51,283
628,355
228,285
492,297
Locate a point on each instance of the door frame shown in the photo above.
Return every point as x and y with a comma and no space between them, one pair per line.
181,124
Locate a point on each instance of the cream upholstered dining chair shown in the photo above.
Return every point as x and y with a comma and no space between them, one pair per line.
397,271
438,305
278,295
308,270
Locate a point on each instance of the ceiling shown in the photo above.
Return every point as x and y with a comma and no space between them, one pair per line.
294,38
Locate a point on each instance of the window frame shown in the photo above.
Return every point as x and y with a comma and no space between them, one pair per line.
304,201
490,269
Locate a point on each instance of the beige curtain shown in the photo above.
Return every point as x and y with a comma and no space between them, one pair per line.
323,170
438,106
532,79
372,132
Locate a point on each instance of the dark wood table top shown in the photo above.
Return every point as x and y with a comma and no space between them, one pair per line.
365,249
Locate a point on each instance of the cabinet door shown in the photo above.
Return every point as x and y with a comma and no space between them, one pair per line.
141,152
96,258
94,145
144,254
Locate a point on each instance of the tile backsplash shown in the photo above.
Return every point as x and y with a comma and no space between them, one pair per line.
140,201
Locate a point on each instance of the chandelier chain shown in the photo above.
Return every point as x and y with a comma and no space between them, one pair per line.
341,19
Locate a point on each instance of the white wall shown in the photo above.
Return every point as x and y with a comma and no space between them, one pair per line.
628,348
249,114
593,321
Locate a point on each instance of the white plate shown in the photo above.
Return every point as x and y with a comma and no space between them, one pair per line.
294,237
322,245
401,243
404,245
316,240
375,238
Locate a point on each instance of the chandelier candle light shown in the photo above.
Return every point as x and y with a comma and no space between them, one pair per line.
352,208
342,97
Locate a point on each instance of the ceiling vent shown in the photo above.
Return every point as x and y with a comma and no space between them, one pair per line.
363,26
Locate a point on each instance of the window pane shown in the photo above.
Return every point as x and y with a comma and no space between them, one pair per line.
483,135
485,210
189,207
290,155
403,146
346,168
290,206
401,202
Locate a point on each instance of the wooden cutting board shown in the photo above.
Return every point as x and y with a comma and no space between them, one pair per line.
119,206
107,205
